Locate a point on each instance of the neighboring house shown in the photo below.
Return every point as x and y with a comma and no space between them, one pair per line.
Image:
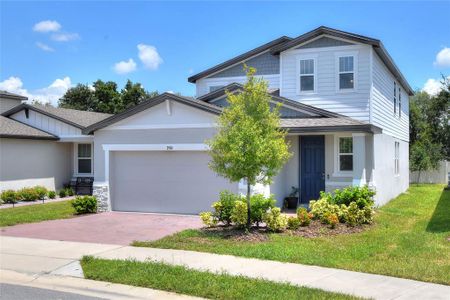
43,145
344,103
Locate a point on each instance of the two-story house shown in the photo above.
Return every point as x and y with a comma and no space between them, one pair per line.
344,104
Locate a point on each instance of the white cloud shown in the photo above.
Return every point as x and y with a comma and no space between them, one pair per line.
124,67
443,58
65,37
51,93
149,56
433,86
47,26
44,47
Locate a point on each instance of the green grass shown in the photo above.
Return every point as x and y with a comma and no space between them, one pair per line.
36,213
410,239
181,280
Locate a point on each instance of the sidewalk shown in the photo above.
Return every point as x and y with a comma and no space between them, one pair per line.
57,257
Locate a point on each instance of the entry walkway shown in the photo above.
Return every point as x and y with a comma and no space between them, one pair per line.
59,257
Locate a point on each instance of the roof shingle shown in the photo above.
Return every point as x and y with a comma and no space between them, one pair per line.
10,128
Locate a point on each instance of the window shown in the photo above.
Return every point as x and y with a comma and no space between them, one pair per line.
396,158
345,154
84,158
346,72
307,69
399,103
395,98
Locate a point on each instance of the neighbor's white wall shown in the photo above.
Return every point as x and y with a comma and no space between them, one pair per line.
25,163
202,85
383,102
45,123
387,184
354,104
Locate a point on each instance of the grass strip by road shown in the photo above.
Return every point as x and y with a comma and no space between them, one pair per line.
186,281
36,213
410,239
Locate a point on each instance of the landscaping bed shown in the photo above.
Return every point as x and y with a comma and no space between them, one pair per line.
409,239
182,280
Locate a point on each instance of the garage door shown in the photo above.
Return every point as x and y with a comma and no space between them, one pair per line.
164,182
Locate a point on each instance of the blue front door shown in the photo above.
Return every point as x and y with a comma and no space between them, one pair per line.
312,167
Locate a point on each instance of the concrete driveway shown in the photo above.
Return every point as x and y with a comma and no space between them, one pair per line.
107,228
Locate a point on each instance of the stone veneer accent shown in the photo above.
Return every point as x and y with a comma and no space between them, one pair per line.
101,192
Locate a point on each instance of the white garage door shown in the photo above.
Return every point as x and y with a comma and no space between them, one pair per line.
164,182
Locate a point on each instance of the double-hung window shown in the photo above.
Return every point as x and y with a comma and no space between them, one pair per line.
396,158
399,102
345,154
395,98
307,75
346,72
84,159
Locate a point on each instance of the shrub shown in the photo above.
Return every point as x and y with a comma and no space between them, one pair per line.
331,219
62,193
51,194
70,191
239,213
85,204
27,194
293,223
41,192
208,219
303,216
274,220
320,207
363,196
9,196
224,207
259,205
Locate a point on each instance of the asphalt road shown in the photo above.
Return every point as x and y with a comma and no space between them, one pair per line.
19,292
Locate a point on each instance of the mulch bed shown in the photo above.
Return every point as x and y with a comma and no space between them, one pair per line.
315,229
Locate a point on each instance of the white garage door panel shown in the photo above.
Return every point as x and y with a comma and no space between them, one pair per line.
164,181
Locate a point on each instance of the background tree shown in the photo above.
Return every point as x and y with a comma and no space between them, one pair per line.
104,97
249,144
429,129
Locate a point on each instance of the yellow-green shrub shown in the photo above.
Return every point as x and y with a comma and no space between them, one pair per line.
274,220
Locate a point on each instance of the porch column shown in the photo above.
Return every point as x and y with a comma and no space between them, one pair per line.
359,159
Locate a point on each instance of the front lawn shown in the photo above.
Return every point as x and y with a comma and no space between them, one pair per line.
410,239
181,280
36,213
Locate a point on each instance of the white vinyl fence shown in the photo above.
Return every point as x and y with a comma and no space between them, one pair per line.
441,175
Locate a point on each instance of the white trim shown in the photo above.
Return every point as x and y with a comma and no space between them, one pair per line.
100,183
337,56
161,126
324,49
337,172
76,138
155,147
168,107
299,58
75,160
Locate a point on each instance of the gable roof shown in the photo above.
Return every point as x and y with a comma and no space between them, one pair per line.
76,118
375,43
10,128
6,94
150,103
239,58
234,87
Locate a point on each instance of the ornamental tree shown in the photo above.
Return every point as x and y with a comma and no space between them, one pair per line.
250,144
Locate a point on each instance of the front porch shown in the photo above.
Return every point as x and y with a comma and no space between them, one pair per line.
325,162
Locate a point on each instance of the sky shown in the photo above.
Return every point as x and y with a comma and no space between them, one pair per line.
47,47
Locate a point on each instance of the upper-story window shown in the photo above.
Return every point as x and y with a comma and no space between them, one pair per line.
395,98
346,72
307,75
399,102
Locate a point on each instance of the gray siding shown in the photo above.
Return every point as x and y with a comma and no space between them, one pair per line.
284,111
265,64
324,42
33,162
6,104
